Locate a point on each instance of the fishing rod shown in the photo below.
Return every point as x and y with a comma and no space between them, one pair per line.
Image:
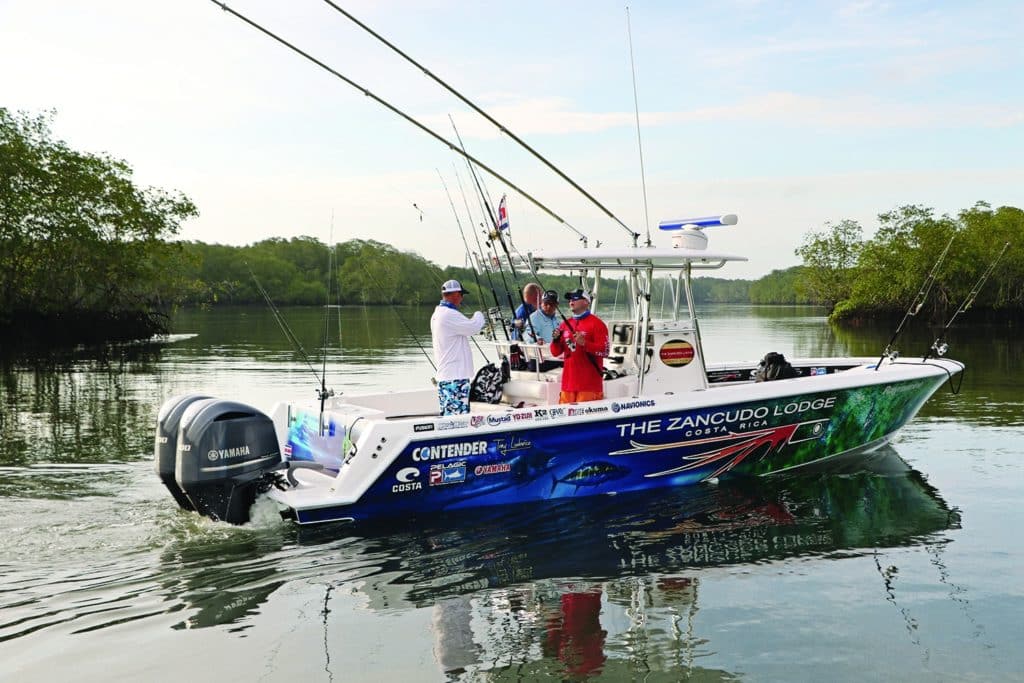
571,343
918,302
283,324
939,346
378,285
484,267
395,110
489,212
497,231
537,155
494,233
327,322
465,243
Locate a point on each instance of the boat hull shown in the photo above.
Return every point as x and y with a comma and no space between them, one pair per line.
612,447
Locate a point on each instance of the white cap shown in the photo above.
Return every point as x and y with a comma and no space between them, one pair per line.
452,286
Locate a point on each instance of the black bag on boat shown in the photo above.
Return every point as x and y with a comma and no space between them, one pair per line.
486,386
774,366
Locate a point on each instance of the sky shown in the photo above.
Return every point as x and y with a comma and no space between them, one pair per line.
789,114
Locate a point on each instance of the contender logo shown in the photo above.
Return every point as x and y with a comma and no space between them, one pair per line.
225,453
448,450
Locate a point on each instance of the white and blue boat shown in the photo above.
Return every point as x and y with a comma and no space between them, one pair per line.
668,418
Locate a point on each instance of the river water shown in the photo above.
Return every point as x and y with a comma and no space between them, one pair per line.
911,569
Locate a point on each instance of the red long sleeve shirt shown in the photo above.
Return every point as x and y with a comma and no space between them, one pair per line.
584,366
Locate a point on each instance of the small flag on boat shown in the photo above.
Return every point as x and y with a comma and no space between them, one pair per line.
502,214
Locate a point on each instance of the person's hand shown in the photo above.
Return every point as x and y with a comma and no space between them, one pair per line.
518,323
580,338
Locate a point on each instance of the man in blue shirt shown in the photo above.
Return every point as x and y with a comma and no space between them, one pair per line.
531,297
540,329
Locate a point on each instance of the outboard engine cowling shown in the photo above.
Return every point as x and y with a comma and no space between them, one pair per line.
224,448
165,449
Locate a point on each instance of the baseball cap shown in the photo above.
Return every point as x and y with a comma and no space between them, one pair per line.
577,294
452,286
550,295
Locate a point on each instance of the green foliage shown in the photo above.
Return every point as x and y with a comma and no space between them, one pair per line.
883,275
781,287
830,257
78,239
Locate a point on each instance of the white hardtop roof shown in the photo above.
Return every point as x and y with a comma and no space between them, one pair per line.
631,257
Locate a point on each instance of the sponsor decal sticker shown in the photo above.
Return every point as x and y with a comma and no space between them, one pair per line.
224,453
676,353
495,420
408,480
448,450
616,406
476,420
442,474
452,424
423,427
495,468
587,410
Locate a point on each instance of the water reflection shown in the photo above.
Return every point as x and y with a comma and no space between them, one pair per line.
564,589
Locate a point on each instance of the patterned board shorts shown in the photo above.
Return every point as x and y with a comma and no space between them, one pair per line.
453,395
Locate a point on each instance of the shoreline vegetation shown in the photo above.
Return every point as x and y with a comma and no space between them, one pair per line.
87,257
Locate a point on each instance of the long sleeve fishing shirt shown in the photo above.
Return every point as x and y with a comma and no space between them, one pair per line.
583,366
451,330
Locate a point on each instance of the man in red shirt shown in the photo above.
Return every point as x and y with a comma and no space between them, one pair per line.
583,342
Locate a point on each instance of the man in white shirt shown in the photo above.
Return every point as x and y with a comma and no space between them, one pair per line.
451,331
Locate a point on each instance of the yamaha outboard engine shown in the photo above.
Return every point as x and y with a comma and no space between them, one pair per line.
166,446
224,450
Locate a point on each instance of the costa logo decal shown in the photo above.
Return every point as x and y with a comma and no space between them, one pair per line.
676,353
407,480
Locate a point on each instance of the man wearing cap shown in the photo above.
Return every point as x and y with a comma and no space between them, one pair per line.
451,331
542,325
583,342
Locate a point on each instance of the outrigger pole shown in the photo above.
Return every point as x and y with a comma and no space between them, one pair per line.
938,347
537,155
918,302
390,107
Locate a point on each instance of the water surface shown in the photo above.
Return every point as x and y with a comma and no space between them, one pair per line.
908,568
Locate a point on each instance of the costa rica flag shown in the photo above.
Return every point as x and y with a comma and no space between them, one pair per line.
502,214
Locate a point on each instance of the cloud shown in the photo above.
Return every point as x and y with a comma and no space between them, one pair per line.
555,115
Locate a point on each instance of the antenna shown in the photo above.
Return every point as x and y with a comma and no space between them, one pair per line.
636,109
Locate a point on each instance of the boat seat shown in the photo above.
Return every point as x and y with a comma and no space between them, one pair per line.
530,392
621,387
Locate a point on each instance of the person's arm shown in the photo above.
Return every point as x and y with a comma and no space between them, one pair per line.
460,324
558,346
596,343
